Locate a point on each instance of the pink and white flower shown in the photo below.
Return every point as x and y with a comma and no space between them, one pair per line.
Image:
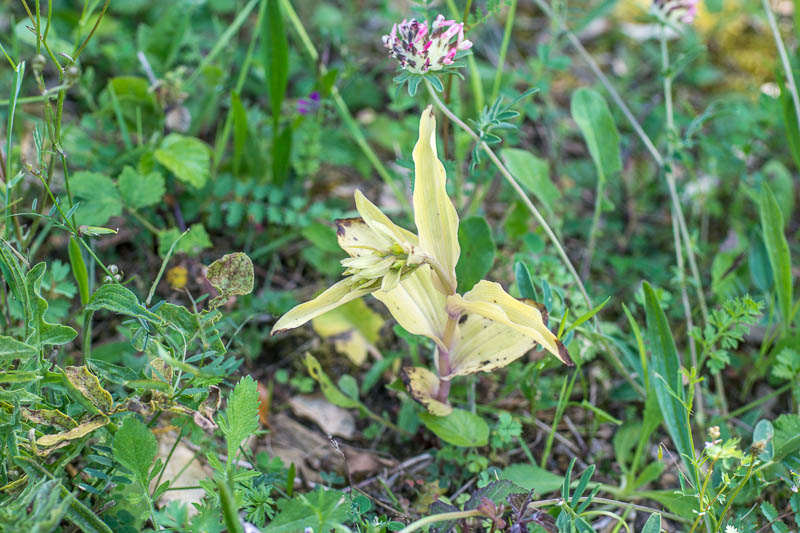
420,48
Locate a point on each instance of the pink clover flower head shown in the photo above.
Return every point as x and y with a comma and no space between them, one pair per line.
421,48
684,11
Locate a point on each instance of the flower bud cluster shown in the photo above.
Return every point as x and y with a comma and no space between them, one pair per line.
677,10
384,269
420,48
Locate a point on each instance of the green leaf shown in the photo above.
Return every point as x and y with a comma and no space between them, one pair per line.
524,281
281,152
135,447
186,157
98,197
231,275
665,377
240,130
763,433
191,244
331,392
240,419
43,332
590,111
79,271
477,252
319,510
532,477
533,173
653,524
787,436
459,428
275,54
11,348
118,299
777,250
140,190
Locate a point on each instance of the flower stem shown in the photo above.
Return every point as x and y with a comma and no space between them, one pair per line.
787,65
498,74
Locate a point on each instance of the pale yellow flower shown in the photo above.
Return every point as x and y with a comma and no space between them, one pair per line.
415,277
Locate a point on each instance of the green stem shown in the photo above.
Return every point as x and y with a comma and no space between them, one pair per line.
738,489
787,65
498,75
344,112
598,210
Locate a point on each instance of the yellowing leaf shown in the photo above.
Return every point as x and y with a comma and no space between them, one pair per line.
422,385
231,275
352,327
88,385
48,417
434,214
82,430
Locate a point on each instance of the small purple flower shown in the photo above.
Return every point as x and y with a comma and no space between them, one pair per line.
419,48
677,10
306,106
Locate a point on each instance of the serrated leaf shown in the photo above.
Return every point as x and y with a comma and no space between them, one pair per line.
191,244
241,416
135,448
459,428
98,196
319,510
787,436
140,190
186,157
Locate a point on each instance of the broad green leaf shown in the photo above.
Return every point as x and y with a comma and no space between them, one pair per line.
11,348
777,250
590,111
666,378
191,244
240,130
496,491
524,282
653,524
477,252
459,428
231,275
787,436
758,261
240,419
533,173
98,197
118,299
88,385
135,448
533,477
186,157
140,190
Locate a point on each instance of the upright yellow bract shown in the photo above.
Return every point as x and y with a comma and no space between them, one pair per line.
415,278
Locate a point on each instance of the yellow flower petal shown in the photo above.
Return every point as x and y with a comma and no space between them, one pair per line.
434,213
489,300
486,345
357,238
416,304
422,385
338,294
380,223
